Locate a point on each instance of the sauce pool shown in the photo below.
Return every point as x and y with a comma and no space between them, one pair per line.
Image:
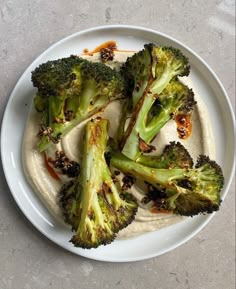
108,44
184,125
162,211
51,171
111,44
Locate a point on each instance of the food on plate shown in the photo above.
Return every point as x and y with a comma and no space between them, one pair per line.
71,90
152,80
135,175
183,191
94,204
173,156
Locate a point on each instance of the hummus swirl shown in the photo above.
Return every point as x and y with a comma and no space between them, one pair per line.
200,142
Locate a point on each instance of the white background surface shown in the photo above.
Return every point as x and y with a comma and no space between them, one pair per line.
28,260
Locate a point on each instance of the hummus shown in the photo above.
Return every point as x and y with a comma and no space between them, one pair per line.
200,142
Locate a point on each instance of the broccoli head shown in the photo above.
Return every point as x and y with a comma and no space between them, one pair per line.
173,156
93,204
150,69
71,90
183,191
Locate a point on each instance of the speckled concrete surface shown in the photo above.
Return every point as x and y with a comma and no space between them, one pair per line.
27,259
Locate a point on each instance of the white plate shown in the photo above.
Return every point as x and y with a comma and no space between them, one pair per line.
130,38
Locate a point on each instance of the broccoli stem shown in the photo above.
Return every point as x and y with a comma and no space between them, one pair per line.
59,130
72,104
156,124
152,161
56,108
123,118
158,85
91,177
153,176
138,94
138,127
87,98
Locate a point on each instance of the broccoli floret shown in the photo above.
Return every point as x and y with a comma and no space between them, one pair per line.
94,205
148,73
152,68
173,156
185,192
176,98
71,90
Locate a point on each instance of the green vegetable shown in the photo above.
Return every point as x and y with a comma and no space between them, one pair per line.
173,156
183,191
94,205
71,90
151,77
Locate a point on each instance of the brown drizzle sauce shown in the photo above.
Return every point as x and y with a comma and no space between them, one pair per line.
111,44
156,211
184,125
106,45
50,169
85,51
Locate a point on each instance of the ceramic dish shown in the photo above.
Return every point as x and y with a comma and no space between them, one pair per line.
129,38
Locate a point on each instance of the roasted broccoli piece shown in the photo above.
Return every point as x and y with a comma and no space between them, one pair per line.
71,90
173,156
183,191
154,82
175,99
151,69
94,205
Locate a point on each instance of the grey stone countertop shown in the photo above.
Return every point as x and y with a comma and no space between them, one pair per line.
28,260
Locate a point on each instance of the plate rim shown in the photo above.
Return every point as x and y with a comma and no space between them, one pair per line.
78,34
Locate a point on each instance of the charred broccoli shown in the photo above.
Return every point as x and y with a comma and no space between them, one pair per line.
173,156
71,90
93,204
154,82
183,191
